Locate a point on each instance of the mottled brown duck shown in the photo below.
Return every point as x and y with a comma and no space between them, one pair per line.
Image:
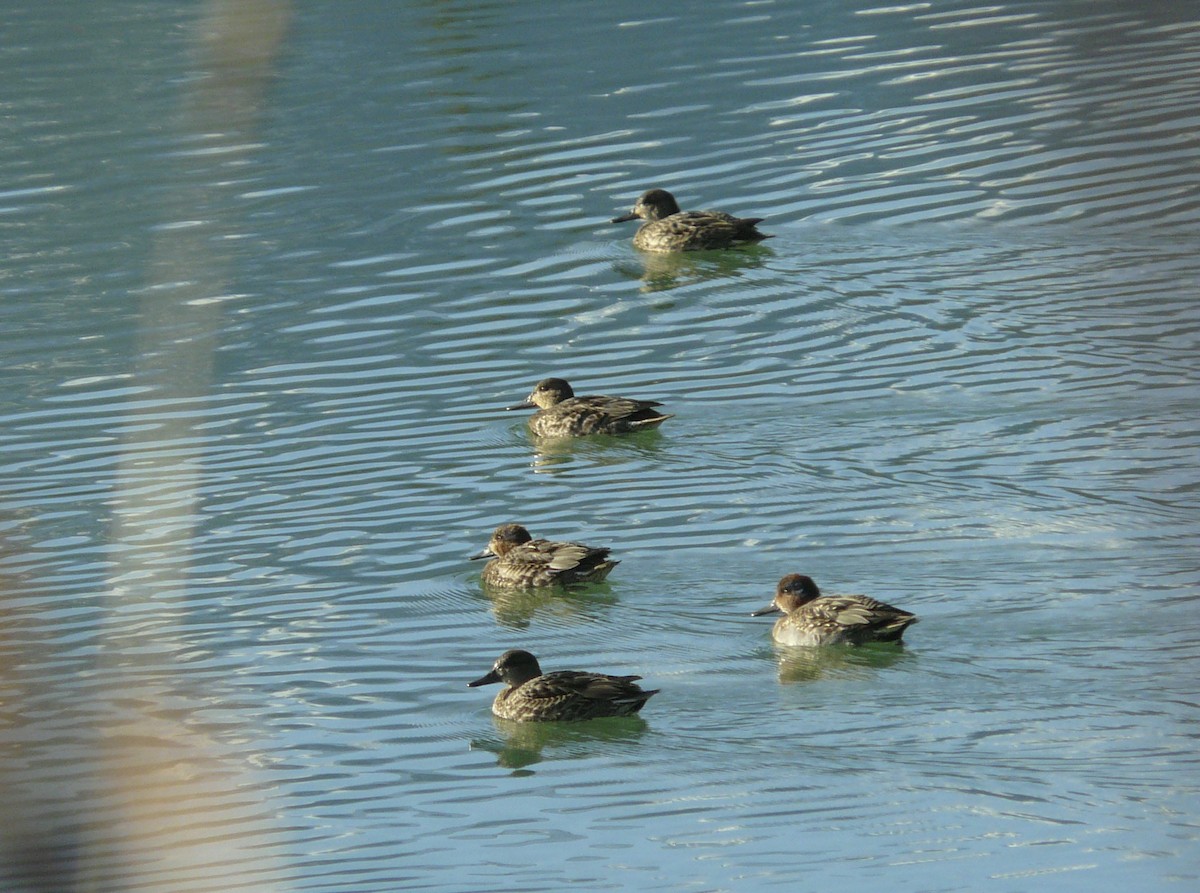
810,618
669,229
521,562
530,695
561,414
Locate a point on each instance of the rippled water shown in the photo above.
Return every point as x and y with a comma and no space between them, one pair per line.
274,272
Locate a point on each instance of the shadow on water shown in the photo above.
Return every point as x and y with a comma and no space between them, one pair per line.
798,664
112,772
518,745
664,271
516,608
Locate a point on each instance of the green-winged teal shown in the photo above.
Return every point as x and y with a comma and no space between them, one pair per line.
561,414
521,562
814,619
669,229
564,695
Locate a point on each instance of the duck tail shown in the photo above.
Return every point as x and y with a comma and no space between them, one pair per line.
747,229
653,422
894,628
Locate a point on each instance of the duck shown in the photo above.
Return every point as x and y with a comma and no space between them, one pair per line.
811,618
521,562
564,695
561,414
669,229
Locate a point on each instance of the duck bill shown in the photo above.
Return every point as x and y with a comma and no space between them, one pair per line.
486,553
769,609
624,218
524,404
485,680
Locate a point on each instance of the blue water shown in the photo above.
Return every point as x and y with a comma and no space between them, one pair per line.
275,270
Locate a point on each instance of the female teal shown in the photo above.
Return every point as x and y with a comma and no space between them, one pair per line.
669,229
562,414
814,619
521,562
562,696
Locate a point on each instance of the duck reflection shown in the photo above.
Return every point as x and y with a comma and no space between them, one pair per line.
516,608
807,664
661,272
552,455
518,745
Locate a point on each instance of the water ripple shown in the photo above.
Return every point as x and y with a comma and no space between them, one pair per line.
254,427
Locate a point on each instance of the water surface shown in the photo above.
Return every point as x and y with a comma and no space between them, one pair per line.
267,297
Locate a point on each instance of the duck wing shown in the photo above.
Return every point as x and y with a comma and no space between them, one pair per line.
860,613
620,411
617,406
700,228
579,684
615,689
558,557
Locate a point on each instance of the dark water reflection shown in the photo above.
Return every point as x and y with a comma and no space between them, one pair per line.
516,608
556,455
663,272
519,746
267,296
810,664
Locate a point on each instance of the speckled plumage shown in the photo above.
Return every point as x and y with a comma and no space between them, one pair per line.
811,618
564,695
669,229
562,414
521,562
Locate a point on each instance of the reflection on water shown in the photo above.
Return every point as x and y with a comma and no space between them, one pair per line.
661,271
555,455
516,608
519,745
797,664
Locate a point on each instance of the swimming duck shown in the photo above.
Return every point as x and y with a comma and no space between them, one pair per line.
521,562
562,414
669,229
814,619
564,695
